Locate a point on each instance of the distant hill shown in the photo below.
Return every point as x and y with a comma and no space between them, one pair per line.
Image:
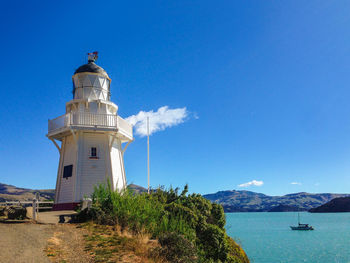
13,193
136,188
232,201
340,204
285,208
247,201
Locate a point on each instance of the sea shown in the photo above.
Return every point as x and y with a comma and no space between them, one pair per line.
267,237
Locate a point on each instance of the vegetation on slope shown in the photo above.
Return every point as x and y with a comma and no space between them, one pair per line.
13,193
285,208
189,228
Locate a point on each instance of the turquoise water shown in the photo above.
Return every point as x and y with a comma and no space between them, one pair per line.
267,238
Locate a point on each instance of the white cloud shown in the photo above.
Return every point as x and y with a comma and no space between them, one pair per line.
158,121
254,182
297,183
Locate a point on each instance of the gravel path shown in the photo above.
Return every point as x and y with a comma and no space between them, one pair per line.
31,243
24,242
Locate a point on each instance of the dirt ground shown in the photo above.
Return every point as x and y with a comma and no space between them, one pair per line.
37,243
24,242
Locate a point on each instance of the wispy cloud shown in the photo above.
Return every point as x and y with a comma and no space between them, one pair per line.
158,121
254,182
297,183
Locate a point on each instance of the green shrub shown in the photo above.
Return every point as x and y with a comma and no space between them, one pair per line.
217,216
82,216
183,212
212,241
137,212
189,227
177,249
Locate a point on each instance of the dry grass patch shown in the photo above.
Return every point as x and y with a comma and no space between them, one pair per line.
110,244
67,245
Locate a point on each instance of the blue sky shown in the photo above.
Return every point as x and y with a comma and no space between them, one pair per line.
267,80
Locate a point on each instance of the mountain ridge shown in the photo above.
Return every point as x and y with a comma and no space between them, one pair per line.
248,201
231,200
12,193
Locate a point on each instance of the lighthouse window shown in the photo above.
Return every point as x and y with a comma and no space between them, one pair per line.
67,171
93,152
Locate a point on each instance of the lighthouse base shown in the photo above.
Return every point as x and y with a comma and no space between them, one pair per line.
64,206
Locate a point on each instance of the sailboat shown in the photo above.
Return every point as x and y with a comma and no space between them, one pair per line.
301,226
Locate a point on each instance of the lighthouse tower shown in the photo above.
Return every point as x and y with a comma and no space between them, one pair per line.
91,138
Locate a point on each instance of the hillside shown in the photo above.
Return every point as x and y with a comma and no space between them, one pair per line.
13,193
247,201
340,204
285,208
232,200
137,189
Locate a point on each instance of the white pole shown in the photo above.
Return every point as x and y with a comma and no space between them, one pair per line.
148,154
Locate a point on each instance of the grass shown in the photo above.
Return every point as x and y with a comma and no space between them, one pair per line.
189,227
108,244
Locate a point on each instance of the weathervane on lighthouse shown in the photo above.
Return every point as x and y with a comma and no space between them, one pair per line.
92,56
91,138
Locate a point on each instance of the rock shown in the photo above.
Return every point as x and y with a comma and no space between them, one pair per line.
2,211
15,212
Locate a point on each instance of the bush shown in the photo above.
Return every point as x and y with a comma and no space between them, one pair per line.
82,216
136,212
177,249
185,213
217,216
189,227
213,243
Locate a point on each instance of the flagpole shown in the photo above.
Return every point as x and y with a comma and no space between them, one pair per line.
148,190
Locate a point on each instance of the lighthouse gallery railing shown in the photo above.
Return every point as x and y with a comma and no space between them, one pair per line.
86,119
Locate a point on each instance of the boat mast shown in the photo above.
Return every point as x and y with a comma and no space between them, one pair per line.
298,218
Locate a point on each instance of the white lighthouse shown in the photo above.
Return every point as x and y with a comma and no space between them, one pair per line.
91,138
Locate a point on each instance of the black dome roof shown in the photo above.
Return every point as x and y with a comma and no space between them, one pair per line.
91,67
